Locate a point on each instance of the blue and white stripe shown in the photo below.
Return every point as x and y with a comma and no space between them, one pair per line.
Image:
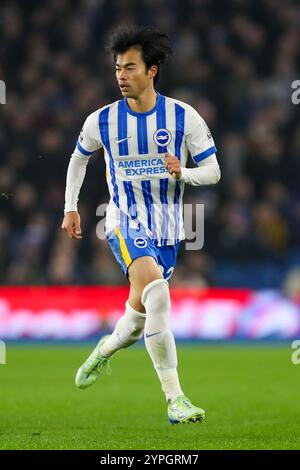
152,200
82,150
207,153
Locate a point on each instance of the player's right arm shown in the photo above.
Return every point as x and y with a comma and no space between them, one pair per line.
87,143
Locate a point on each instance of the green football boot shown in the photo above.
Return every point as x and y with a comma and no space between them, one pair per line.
183,411
91,369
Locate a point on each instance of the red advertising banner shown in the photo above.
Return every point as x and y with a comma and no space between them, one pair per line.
82,312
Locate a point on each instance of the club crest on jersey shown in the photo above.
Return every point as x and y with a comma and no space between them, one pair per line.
140,242
162,137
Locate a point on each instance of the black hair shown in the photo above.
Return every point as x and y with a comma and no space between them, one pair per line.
155,46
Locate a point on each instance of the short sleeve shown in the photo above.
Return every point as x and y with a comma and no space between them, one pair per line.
198,137
89,138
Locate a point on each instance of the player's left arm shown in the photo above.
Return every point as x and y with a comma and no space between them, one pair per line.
203,152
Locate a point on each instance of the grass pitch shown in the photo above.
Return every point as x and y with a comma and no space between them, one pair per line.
250,394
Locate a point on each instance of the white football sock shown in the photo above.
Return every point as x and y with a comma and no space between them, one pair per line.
128,330
159,339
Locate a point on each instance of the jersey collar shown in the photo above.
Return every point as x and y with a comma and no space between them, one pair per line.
147,113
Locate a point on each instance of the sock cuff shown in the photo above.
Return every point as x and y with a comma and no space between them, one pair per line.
151,286
133,312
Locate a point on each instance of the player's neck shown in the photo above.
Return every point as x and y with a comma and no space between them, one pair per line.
144,103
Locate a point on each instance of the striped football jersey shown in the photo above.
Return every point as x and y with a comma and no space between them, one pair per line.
141,189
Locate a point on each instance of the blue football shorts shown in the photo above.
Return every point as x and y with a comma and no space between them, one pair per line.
127,245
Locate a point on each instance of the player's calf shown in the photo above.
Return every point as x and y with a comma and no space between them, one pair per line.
159,339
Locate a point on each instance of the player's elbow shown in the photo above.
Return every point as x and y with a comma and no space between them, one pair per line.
217,175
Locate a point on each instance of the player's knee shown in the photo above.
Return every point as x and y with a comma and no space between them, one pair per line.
156,296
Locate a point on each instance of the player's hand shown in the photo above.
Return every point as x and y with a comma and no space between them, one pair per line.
71,224
173,166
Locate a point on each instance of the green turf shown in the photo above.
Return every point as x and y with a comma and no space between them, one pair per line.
250,394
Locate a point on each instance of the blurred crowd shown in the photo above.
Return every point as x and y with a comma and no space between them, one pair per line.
234,61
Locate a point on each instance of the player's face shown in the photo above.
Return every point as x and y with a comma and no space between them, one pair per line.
132,74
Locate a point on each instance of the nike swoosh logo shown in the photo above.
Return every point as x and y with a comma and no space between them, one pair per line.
153,334
122,140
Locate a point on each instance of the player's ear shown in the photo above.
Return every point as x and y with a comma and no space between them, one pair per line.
153,71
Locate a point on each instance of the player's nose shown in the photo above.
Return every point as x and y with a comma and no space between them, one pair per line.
123,75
